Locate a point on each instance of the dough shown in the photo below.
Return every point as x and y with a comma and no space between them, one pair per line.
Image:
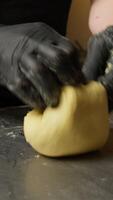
78,125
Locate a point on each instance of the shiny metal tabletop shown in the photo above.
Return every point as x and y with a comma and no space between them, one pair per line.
25,175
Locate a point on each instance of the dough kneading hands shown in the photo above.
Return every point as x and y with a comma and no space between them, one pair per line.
79,124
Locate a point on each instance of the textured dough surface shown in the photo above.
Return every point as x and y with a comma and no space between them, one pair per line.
78,125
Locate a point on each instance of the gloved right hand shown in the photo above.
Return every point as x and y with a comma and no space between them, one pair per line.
99,62
35,61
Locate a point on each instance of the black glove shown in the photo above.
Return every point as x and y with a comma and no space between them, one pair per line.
35,61
99,61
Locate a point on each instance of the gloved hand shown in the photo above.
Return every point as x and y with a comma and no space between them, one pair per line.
99,61
35,61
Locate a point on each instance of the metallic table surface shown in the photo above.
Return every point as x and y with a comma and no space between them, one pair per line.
25,175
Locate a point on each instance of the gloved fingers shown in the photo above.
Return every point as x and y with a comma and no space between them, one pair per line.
59,55
107,80
23,89
45,82
64,65
68,67
97,56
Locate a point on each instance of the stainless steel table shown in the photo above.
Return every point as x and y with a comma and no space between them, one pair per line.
25,175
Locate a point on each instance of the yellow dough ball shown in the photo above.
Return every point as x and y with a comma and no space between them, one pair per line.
79,124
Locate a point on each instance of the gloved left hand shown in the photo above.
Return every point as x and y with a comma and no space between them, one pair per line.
36,61
99,61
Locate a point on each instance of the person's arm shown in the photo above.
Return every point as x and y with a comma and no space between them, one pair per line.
101,15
